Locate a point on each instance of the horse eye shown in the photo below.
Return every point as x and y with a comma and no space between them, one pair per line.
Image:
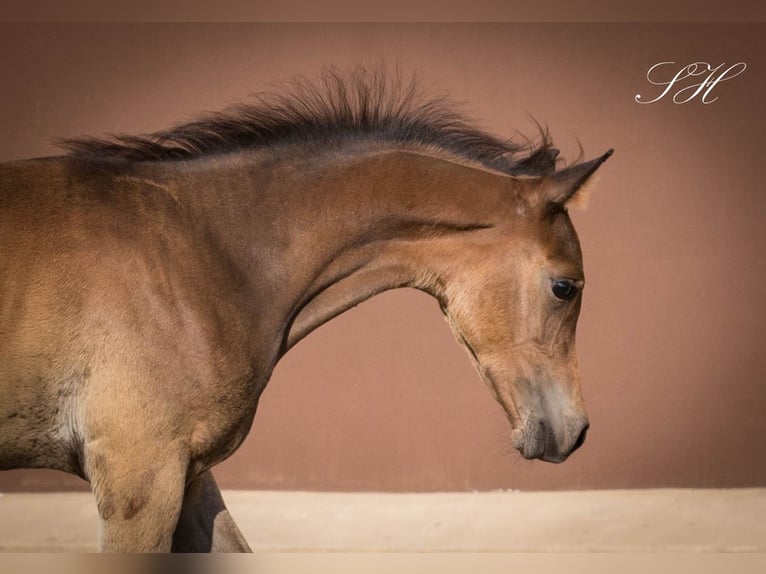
564,289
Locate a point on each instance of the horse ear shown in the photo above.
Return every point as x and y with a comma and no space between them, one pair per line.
562,186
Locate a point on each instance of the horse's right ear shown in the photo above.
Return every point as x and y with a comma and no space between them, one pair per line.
564,185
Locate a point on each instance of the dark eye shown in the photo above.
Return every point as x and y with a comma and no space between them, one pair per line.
564,289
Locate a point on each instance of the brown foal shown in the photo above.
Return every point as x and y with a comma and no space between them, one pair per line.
149,285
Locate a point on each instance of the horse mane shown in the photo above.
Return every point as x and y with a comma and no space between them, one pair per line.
364,105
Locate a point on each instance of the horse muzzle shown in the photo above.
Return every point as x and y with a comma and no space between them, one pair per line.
538,439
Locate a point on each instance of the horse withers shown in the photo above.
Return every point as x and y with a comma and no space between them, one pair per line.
149,284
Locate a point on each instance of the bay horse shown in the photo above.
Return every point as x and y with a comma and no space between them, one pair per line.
149,284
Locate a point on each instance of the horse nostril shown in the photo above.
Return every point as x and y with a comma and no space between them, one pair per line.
581,438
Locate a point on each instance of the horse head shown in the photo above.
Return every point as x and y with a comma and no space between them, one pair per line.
513,301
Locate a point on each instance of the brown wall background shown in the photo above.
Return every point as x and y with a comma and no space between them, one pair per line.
670,337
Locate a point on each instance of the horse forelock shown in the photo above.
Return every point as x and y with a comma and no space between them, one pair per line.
363,105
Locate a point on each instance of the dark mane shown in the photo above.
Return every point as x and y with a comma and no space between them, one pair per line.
361,106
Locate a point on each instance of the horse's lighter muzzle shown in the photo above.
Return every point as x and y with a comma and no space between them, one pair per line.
539,440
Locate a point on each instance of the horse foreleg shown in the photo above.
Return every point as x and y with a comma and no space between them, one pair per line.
205,524
138,494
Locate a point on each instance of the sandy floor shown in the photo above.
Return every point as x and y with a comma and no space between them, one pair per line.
601,521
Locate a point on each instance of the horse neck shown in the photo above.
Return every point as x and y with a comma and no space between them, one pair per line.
318,238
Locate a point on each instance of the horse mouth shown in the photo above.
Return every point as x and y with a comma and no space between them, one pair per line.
537,441
534,435
541,451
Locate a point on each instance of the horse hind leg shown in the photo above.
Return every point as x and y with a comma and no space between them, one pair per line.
139,491
205,524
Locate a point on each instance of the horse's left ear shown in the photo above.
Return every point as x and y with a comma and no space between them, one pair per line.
562,186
